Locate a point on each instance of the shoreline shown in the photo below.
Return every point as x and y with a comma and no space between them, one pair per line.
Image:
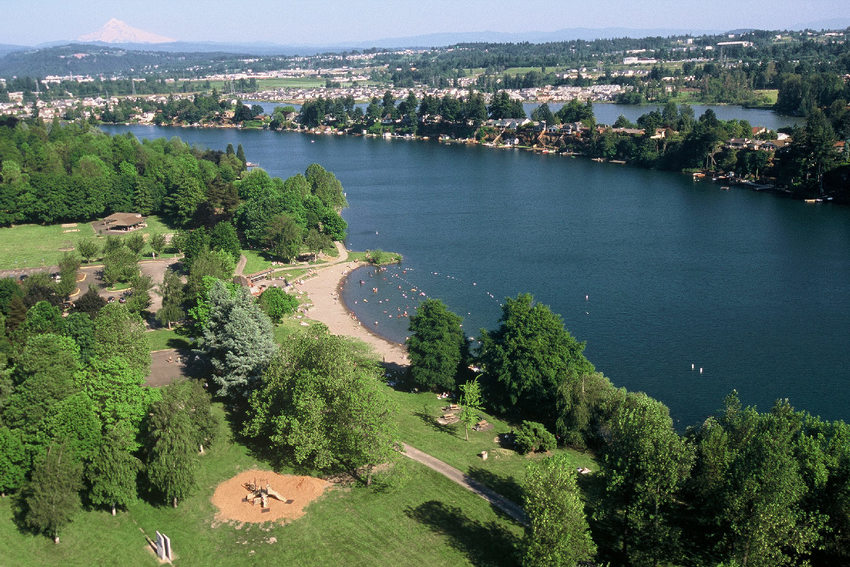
324,290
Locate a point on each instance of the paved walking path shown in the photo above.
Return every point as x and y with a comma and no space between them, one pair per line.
240,265
510,508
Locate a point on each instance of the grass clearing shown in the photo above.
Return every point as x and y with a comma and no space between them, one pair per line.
36,246
418,518
257,261
162,339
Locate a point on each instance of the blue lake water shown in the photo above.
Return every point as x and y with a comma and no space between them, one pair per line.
654,271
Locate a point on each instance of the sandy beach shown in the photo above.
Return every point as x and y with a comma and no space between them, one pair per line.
323,289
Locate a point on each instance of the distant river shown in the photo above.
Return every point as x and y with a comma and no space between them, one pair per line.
654,271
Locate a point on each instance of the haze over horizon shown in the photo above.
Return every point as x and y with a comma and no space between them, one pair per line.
330,22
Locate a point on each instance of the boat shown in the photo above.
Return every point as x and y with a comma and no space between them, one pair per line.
725,187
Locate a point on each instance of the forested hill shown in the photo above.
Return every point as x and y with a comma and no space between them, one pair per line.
53,173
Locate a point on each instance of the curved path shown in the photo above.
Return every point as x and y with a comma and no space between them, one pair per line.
507,506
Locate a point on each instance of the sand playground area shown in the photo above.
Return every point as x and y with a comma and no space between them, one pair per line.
234,504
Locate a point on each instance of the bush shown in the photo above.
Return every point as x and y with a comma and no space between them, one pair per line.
276,303
533,437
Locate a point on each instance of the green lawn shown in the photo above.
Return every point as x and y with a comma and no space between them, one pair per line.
419,518
162,339
257,261
34,246
504,469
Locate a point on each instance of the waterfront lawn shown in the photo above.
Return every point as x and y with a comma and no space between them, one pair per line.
504,469
418,518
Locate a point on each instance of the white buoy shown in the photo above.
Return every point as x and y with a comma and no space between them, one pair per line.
586,297
692,366
700,369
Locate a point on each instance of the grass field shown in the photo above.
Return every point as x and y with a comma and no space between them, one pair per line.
257,261
35,246
418,518
162,339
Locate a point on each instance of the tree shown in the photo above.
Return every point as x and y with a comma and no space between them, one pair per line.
320,404
135,242
532,437
470,404
315,242
52,495
120,265
644,465
44,318
240,154
9,288
276,303
325,186
112,473
237,340
223,237
283,237
13,461
89,303
140,294
171,456
173,295
543,114
118,332
215,264
117,391
557,532
157,243
68,266
435,346
527,358
755,483
80,327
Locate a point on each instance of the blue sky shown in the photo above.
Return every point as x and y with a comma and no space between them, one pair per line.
29,22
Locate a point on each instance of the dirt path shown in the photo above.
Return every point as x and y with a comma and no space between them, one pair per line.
240,265
507,506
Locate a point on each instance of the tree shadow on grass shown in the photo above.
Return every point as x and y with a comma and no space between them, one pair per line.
506,485
483,543
431,421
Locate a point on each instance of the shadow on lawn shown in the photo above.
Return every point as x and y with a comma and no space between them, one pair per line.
505,485
483,543
431,421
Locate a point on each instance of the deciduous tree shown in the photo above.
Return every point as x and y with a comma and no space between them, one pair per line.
320,404
435,346
52,495
557,532
112,472
527,358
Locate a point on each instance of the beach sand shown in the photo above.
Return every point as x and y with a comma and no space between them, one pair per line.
324,290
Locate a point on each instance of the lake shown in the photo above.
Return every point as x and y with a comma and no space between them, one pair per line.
655,272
